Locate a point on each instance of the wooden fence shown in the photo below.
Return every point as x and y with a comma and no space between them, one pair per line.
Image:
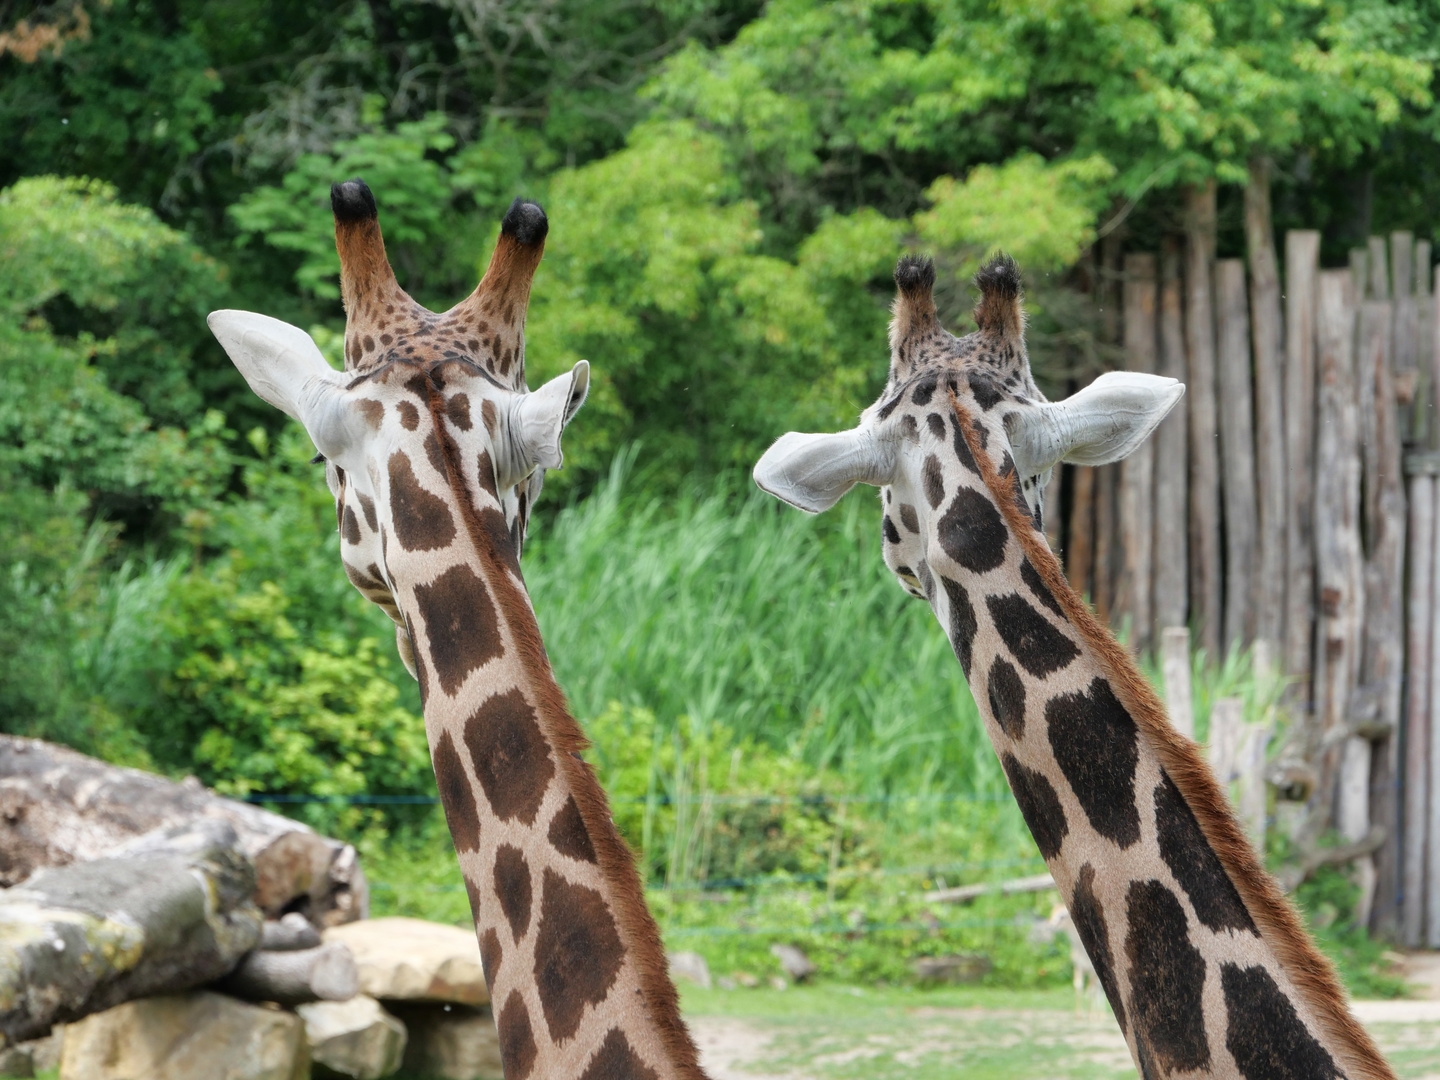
1291,504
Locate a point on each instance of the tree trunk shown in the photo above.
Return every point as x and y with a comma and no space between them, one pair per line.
1170,594
1339,558
1266,332
1302,254
171,911
1205,592
1137,492
59,807
1419,627
325,973
1237,446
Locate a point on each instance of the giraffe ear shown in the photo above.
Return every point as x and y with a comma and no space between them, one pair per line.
1105,422
812,472
541,417
284,366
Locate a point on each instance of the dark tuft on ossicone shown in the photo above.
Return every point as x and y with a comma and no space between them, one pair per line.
352,201
526,222
999,284
915,275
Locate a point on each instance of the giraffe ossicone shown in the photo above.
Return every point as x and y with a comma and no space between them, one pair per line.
435,451
1205,964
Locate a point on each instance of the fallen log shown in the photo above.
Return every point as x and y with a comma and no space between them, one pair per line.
170,911
294,977
59,807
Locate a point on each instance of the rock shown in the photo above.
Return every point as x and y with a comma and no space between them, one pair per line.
16,1061
778,983
958,968
186,1037
451,1042
355,1038
725,982
291,931
690,966
793,962
45,1051
745,979
412,960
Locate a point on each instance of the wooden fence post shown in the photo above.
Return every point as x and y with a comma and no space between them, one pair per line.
1382,658
1171,552
1227,722
1302,255
1419,624
1080,556
1338,554
1205,592
1266,332
1432,853
1237,450
1175,669
1406,337
1137,483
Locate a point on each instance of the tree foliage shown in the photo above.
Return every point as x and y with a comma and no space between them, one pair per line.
728,187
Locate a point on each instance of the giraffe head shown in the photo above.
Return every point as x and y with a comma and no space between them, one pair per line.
418,387
910,443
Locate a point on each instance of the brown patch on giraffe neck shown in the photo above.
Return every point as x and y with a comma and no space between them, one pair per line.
1309,971
636,926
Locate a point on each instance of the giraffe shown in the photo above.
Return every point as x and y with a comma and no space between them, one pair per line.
435,451
1205,964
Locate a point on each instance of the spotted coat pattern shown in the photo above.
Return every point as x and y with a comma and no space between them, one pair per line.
573,960
1205,964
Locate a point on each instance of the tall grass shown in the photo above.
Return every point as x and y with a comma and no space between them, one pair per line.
724,606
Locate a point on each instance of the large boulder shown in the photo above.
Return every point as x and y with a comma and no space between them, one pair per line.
186,1037
450,1042
413,960
355,1038
170,911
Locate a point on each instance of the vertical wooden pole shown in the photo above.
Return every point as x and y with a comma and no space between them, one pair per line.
1266,333
1171,551
1109,551
1302,260
1227,722
1137,483
1237,450
1424,433
1406,333
1205,592
1054,503
1338,553
1382,659
1107,540
1250,799
1175,668
1432,838
1081,558
1419,625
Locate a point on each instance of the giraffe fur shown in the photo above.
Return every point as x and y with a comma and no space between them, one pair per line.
434,450
1205,964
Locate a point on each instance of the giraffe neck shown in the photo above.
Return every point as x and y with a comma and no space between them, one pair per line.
573,959
1205,963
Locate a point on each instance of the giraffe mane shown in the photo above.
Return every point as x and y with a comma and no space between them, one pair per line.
614,858
1304,964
